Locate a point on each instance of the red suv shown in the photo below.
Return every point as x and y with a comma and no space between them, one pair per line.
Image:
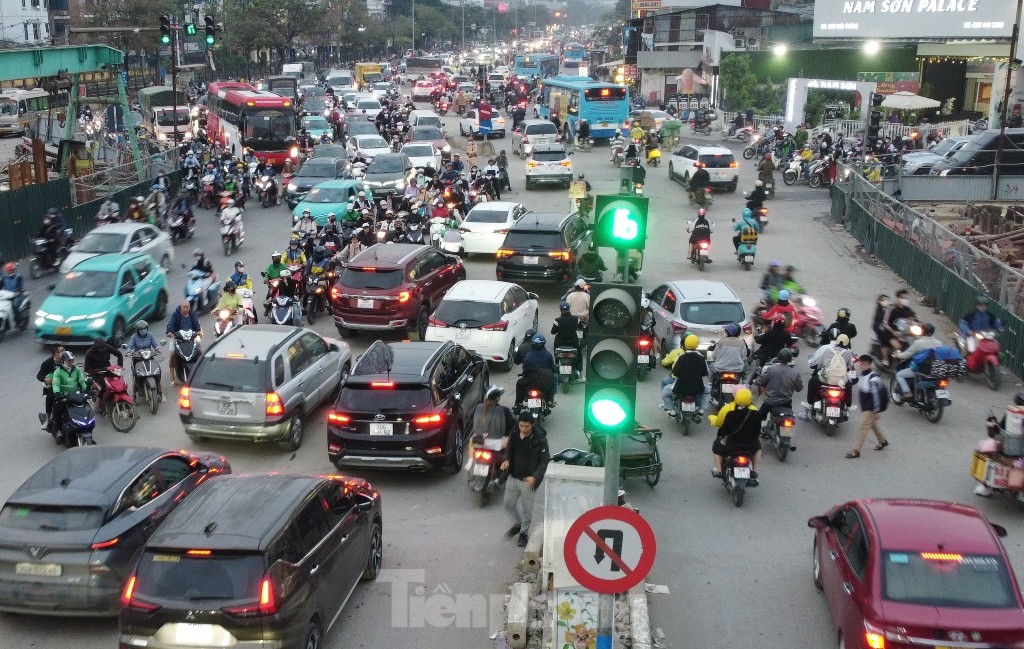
393,287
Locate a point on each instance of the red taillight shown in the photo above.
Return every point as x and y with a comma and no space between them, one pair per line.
404,296
704,245
335,293
564,255
534,394
434,322
103,545
382,385
128,599
942,383
184,402
728,376
500,325
742,460
275,406
787,423
834,393
505,254
678,328
265,604
733,164
643,343
763,211
425,420
337,418
482,455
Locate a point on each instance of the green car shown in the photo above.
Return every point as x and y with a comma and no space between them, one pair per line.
328,196
102,296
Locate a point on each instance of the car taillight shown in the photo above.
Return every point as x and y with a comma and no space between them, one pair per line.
382,385
563,255
500,325
425,420
678,328
335,293
275,406
434,322
874,637
184,402
265,604
337,418
103,545
482,455
404,296
733,164
504,253
129,600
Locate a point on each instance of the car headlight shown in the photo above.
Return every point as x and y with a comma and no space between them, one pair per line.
292,187
944,172
97,323
447,148
161,136
40,321
400,184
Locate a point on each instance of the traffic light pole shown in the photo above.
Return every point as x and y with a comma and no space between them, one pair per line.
606,603
174,78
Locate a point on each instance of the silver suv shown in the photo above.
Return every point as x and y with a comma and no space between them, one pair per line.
699,307
548,163
261,383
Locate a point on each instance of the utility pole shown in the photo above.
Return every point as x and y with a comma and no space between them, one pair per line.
175,30
414,27
463,25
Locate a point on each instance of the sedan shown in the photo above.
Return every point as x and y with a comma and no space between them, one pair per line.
422,154
433,135
356,127
486,225
70,534
368,105
367,147
122,238
330,151
422,89
317,125
902,574
313,172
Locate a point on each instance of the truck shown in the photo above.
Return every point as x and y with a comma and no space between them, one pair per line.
284,85
158,111
298,70
367,73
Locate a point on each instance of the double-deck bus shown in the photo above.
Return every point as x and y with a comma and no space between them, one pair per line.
528,66
240,116
605,106
573,55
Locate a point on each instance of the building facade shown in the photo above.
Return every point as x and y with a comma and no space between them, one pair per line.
25,23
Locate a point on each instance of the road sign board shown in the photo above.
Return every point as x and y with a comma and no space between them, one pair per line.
609,549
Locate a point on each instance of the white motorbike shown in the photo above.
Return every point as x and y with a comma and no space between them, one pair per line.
9,320
231,233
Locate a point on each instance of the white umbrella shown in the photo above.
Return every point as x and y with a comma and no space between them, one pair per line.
908,101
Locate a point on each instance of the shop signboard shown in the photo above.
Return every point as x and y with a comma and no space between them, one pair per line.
912,19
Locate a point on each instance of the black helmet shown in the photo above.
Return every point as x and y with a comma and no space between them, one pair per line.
1018,399
530,333
928,328
843,313
229,287
785,355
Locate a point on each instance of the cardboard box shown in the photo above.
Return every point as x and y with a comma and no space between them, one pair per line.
979,466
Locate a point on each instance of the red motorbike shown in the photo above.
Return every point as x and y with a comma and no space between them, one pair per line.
115,399
807,322
985,357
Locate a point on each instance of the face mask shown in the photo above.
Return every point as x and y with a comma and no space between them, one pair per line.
904,301
143,332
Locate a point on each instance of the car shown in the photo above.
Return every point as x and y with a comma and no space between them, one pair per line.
388,172
548,164
313,172
469,91
543,247
919,163
368,105
88,511
122,238
978,157
433,135
254,560
311,91
532,132
366,146
413,412
422,90
102,297
393,288
330,151
422,154
719,161
488,317
901,573
326,197
700,307
381,89
469,124
659,117
496,79
260,383
318,125
485,226
355,128
314,106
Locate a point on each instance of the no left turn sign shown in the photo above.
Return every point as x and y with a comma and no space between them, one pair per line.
609,549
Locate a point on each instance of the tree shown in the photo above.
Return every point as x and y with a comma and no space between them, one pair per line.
738,81
767,97
128,14
273,24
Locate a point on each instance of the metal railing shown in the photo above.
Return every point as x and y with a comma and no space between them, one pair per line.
848,127
121,175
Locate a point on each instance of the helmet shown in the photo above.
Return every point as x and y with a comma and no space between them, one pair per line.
981,299
702,212
10,267
690,342
645,302
767,156
67,357
276,255
785,355
494,392
530,333
231,202
52,211
285,274
747,214
331,216
306,213
580,283
229,287
843,313
928,328
539,341
580,176
294,241
319,252
759,183
791,268
564,307
141,324
732,329
742,397
773,264
783,295
843,341
198,252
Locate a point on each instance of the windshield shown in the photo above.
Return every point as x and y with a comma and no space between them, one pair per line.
89,283
372,143
370,278
427,133
968,152
316,123
327,195
176,576
56,518
166,117
367,104
487,216
314,104
231,374
464,312
533,240
404,398
8,107
546,128
718,160
314,169
711,313
361,128
101,242
340,81
945,147
382,86
268,129
386,165
548,156
418,150
314,91
943,579
329,151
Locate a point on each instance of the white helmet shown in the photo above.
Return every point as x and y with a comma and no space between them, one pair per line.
285,274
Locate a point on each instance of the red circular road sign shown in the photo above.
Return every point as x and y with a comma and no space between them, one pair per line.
609,549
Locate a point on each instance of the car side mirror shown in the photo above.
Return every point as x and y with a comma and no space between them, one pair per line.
126,290
818,522
334,347
364,505
999,530
532,296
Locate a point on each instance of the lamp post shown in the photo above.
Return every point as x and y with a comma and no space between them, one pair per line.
414,27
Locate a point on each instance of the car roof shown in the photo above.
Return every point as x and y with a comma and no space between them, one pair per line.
407,360
86,475
234,512
393,253
109,262
342,183
927,525
548,147
245,340
120,228
322,161
478,290
703,289
541,221
711,149
532,122
493,206
365,135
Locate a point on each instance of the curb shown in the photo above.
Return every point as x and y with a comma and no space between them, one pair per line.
639,617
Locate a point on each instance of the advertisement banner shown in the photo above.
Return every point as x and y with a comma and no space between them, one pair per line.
912,19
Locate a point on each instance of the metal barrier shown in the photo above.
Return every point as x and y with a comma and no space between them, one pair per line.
114,178
848,127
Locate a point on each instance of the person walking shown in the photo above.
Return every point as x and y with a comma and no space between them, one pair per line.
527,460
471,153
873,402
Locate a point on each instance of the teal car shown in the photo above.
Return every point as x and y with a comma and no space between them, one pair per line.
102,296
317,126
328,196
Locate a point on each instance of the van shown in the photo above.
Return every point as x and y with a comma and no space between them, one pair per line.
425,118
341,81
978,157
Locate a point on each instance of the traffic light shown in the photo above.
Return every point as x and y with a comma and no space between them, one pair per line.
165,29
190,29
621,222
211,30
610,398
874,121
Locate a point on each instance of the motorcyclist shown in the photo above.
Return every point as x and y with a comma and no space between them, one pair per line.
306,226
926,341
539,370
232,216
820,363
731,353
591,265
564,330
736,124
109,212
766,169
773,340
231,301
789,280
13,282
240,278
889,332
502,164
842,325
771,281
97,360
783,308
273,271
346,254
294,253
637,133
583,132
699,182
524,347
183,319
318,264
490,419
136,212
632,151
699,231
52,233
203,266
779,381
183,205
578,300
65,379
689,370
747,220
739,431
140,341
978,319
493,174
756,198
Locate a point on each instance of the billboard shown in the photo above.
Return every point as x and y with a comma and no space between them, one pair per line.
913,19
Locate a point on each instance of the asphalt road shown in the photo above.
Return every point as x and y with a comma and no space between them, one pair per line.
736,577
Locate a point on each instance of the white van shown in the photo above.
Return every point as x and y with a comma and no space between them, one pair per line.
425,118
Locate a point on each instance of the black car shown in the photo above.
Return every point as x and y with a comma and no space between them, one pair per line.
260,560
407,405
70,534
543,247
388,173
312,172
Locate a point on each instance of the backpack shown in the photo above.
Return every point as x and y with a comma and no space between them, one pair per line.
835,372
748,234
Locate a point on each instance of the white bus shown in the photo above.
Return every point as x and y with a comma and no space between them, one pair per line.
20,108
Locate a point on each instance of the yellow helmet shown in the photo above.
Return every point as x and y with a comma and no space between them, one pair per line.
690,342
742,397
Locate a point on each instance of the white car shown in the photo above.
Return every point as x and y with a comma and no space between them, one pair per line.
120,238
381,89
531,132
421,90
423,154
486,225
470,124
369,105
366,146
548,164
719,162
486,316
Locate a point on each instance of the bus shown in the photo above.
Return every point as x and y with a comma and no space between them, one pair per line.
20,108
605,106
528,66
416,66
159,115
240,116
573,55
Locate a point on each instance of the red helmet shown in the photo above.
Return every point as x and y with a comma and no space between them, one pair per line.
10,267
702,212
767,156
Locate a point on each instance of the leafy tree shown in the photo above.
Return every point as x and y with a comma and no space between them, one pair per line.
127,14
738,81
767,97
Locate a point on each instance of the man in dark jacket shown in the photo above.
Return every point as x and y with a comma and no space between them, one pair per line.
528,457
183,319
46,368
689,369
842,325
97,359
564,329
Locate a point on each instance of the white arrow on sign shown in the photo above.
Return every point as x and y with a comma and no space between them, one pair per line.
609,549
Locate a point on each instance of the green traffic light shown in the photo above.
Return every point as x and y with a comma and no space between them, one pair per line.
621,222
190,29
624,225
607,412
165,39
209,39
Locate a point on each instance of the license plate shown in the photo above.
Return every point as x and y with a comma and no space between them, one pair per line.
533,261
749,259
728,388
832,411
63,331
364,304
643,359
688,406
38,569
382,429
226,408
533,403
463,334
942,394
194,634
564,369
741,472
481,470
703,252
763,219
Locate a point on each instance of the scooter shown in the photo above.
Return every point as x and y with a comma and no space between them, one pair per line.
199,300
686,412
645,358
703,127
930,395
907,331
115,400
983,360
565,359
248,307
225,321
266,190
283,311
736,476
807,321
79,420
778,431
146,373
740,134
181,227
762,216
316,301
209,196
44,260
830,408
485,476
9,320
231,232
702,255
747,248
723,385
187,351
654,156
191,185
703,198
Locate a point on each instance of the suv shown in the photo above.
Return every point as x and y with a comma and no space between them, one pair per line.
548,163
407,406
919,163
388,173
260,383
532,132
257,560
313,171
543,247
699,307
978,157
393,287
718,160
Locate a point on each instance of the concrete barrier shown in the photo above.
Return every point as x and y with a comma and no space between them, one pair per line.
518,615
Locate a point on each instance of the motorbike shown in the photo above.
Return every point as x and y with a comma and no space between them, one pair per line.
191,184
814,177
566,358
232,234
442,108
807,322
762,216
745,253
723,384
146,374
983,360
44,259
654,156
701,257
9,320
758,147
534,403
930,395
703,127
283,311
484,473
266,190
209,196
316,300
194,293
702,198
187,351
736,476
248,307
907,331
79,419
778,431
830,408
115,400
618,155
225,321
645,357
740,135
181,226
686,412
444,234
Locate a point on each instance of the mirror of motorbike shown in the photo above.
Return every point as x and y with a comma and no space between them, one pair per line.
818,522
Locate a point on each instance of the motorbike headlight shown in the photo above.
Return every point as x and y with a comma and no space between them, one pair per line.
447,148
292,187
224,314
400,184
98,323
809,301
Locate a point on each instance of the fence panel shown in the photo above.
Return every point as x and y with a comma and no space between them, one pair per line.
21,213
945,188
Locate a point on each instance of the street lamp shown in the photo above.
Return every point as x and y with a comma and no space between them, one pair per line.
871,48
780,49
